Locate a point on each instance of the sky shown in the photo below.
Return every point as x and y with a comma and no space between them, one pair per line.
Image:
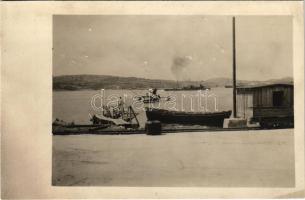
191,47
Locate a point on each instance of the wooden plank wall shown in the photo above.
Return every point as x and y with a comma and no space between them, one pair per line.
263,97
260,102
245,105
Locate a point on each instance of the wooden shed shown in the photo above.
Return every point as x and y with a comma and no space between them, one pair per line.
271,104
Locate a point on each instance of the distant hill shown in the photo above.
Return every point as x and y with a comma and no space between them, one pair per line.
96,82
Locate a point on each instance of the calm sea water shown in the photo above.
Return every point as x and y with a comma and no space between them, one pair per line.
78,106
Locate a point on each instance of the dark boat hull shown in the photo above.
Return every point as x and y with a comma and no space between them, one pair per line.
214,119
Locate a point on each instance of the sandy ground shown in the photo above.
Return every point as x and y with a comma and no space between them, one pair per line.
220,159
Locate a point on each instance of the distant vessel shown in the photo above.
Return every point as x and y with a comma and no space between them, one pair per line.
214,119
187,88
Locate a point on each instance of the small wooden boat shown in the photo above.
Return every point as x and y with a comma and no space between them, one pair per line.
151,97
120,117
77,129
213,119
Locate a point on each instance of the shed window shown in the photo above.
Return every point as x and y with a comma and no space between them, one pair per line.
278,98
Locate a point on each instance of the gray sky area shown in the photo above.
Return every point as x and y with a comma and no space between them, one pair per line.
172,47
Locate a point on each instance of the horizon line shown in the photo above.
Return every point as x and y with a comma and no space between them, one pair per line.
166,79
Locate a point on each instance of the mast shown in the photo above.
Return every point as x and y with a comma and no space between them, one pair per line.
234,71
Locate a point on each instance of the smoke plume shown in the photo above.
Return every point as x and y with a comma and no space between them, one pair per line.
179,66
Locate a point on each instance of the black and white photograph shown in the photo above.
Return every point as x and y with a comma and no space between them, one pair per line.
152,99
173,101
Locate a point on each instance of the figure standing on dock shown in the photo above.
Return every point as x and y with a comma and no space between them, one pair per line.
120,105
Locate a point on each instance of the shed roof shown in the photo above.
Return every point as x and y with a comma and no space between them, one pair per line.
250,88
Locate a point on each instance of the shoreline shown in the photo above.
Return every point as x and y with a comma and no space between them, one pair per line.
164,131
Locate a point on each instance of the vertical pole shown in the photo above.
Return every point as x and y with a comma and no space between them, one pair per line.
234,71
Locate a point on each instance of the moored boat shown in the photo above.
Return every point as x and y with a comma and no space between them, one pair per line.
213,119
149,99
152,97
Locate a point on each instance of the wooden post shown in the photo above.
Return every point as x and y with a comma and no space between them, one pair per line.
234,71
134,114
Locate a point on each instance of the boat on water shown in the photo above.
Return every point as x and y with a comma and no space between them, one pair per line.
213,119
151,97
112,118
118,116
